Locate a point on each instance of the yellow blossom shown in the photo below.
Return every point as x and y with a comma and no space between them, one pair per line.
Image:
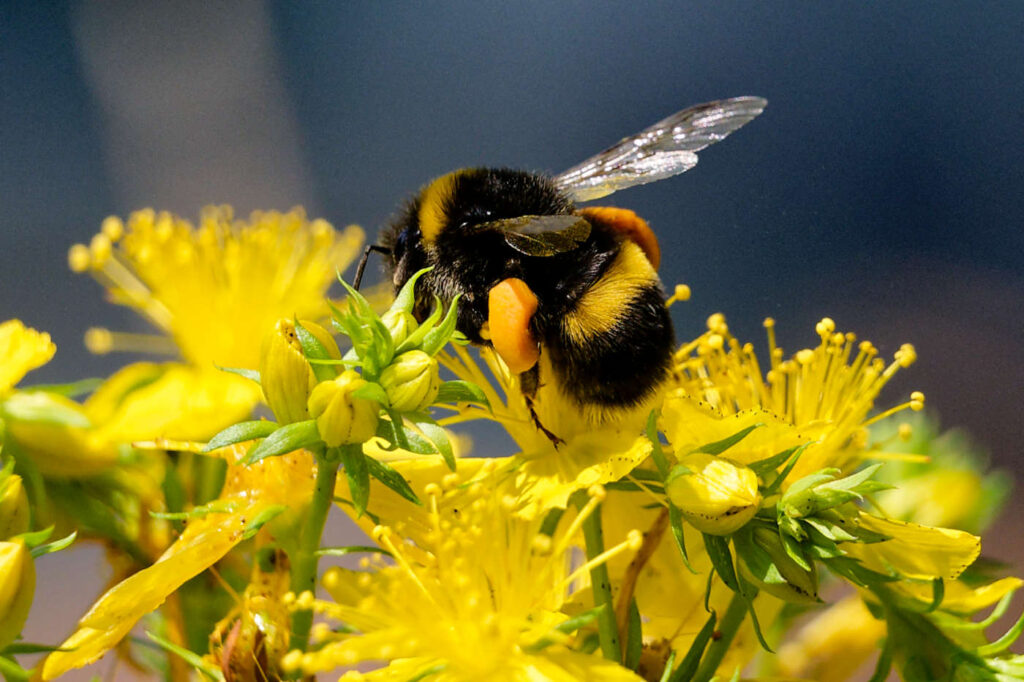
213,289
248,492
411,381
286,376
475,595
820,396
22,349
340,416
715,495
17,587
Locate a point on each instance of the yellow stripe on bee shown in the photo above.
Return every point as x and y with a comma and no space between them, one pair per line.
603,304
432,214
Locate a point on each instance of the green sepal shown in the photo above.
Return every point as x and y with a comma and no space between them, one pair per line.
675,523
55,546
240,432
657,454
776,484
748,592
884,664
371,390
71,389
250,374
285,439
398,435
720,446
201,666
417,335
436,435
261,519
721,559
767,465
358,475
350,549
314,350
666,672
391,478
42,408
688,666
21,648
35,538
436,338
461,392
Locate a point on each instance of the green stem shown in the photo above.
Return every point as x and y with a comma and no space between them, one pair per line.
730,623
305,560
602,588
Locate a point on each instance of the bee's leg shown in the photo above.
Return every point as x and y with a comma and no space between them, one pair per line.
529,382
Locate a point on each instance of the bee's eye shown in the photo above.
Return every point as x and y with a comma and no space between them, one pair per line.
401,244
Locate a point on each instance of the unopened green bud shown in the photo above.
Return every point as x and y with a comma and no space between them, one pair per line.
784,577
17,586
717,496
14,515
400,323
285,373
411,381
341,417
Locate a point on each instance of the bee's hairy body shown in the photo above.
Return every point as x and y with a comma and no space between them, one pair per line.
601,317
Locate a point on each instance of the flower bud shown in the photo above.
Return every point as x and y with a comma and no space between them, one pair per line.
411,381
14,515
788,580
285,373
400,323
717,496
17,586
340,417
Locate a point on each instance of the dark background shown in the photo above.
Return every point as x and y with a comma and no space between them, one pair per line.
882,186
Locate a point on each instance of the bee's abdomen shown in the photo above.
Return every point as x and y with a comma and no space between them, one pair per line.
614,346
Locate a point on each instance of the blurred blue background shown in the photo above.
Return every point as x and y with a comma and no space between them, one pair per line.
883,186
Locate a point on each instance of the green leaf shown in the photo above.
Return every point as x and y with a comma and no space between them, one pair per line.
884,664
634,637
776,485
436,435
358,475
314,350
20,648
436,338
285,439
403,437
416,337
1004,642
193,659
566,627
720,446
54,546
240,432
371,390
461,392
351,549
666,673
406,297
721,559
69,390
250,374
43,408
689,664
391,478
261,519
769,464
36,537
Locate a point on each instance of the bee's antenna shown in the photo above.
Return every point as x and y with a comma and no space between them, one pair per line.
362,262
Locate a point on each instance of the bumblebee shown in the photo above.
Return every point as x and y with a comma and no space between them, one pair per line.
574,291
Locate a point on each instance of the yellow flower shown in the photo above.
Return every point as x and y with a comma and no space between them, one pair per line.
475,595
22,349
17,586
821,396
248,493
411,381
286,376
915,551
213,290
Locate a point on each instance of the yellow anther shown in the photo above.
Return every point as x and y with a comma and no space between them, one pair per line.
681,293
508,502
305,600
112,227
917,401
79,258
805,356
825,327
432,490
715,342
320,632
839,338
768,323
541,544
378,533
99,340
292,660
634,539
288,598
100,248
906,431
596,492
906,355
716,323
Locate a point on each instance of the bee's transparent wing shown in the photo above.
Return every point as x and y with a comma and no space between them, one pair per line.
667,148
542,235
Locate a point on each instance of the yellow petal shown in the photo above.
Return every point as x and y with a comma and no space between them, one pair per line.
177,402
22,349
962,598
916,551
203,543
832,646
